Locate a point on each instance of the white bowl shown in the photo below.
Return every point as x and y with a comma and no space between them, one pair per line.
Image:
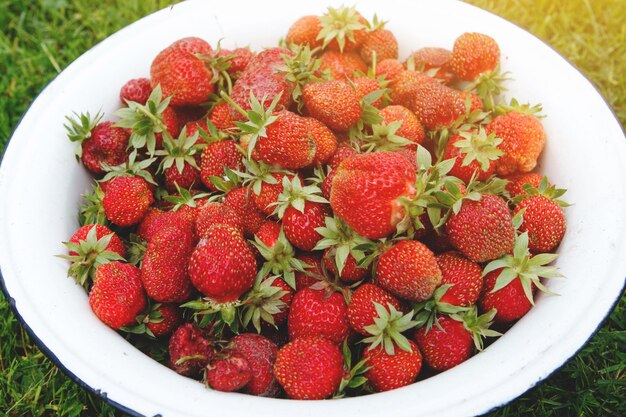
40,185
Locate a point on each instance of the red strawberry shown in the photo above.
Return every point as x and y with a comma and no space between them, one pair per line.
475,153
391,371
98,142
215,158
313,273
222,267
390,69
342,65
182,74
523,138
189,350
446,346
350,272
380,42
269,192
410,127
325,140
517,182
544,221
179,162
343,151
212,214
239,59
91,246
316,313
437,105
299,226
268,233
304,31
361,309
137,90
170,318
510,301
221,116
366,190
406,85
189,114
464,276
309,368
117,296
342,29
428,58
474,54
164,270
333,103
228,372
366,85
156,219
238,199
260,352
408,270
482,230
126,200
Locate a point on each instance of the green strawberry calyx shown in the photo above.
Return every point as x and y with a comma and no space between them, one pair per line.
384,138
257,173
388,328
131,168
355,377
185,197
262,303
301,68
527,268
489,85
92,210
295,195
151,315
337,234
427,311
79,129
280,259
179,151
339,24
480,147
544,189
478,326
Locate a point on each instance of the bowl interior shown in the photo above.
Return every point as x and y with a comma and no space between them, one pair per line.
583,137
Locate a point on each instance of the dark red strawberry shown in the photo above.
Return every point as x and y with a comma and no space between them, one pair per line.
361,309
313,272
351,272
300,226
228,372
189,350
261,353
445,345
168,319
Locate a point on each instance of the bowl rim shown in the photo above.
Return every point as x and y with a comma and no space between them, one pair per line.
103,395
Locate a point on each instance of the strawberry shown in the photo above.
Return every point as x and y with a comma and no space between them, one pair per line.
476,154
438,106
168,319
390,371
178,161
268,233
189,350
126,200
189,114
544,221
523,138
342,65
343,151
367,189
409,270
215,158
445,345
342,29
269,300
406,85
482,230
410,127
333,103
309,368
212,214
228,372
164,270
361,309
117,295
366,85
381,43
304,31
350,272
325,140
239,200
390,70
516,183
313,274
181,74
474,54
221,116
426,59
261,353
239,58
222,267
137,89
317,313
157,219
89,247
464,276
98,142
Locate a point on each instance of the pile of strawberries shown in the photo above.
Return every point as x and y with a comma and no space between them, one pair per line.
317,219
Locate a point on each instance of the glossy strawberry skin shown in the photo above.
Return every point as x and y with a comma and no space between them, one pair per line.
164,270
287,298
182,74
212,214
304,31
517,182
115,244
366,191
447,348
309,368
382,43
408,270
333,102
186,341
474,54
157,219
217,156
361,309
240,201
482,230
260,352
126,200
137,90
222,267
314,313
465,276
510,301
107,144
269,194
186,178
325,140
300,227
389,372
544,221
342,65
227,374
117,295
221,116
171,319
410,128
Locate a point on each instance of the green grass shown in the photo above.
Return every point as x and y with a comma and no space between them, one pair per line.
40,38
